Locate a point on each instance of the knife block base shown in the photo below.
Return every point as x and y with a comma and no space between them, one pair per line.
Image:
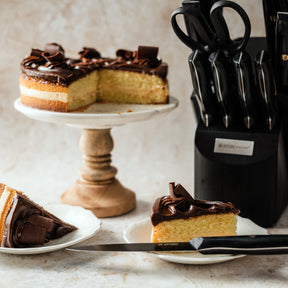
255,184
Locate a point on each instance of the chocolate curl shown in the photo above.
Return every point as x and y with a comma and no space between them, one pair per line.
178,198
29,234
41,221
171,188
34,58
53,58
180,191
89,53
36,53
54,48
125,54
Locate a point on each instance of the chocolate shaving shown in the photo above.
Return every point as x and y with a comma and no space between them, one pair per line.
36,53
29,234
89,53
125,54
41,221
54,58
147,52
54,48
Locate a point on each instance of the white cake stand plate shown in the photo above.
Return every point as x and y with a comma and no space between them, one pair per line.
97,188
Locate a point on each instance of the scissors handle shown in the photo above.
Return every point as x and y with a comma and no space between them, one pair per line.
208,41
221,29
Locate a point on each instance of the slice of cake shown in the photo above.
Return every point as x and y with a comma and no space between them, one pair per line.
51,81
24,223
179,217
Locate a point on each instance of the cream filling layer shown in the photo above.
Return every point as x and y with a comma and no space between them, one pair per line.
4,197
53,96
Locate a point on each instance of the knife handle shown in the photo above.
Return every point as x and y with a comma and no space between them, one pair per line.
221,69
246,244
201,80
267,88
243,67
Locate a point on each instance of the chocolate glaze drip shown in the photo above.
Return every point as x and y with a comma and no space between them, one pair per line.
51,65
181,205
27,224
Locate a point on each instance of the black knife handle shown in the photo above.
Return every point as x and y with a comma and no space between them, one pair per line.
246,244
201,80
222,76
267,88
244,72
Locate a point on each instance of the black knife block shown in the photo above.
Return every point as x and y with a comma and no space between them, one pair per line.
256,184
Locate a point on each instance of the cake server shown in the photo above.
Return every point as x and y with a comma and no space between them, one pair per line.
237,245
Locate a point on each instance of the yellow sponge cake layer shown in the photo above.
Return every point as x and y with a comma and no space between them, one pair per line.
83,92
182,230
130,87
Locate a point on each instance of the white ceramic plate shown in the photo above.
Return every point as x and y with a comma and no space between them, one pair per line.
141,232
86,222
99,115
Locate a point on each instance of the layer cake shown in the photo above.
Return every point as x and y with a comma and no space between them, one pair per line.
179,218
51,81
24,223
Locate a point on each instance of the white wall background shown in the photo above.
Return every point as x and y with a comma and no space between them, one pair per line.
43,159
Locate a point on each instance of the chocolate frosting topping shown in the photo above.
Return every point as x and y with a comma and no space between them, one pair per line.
181,205
51,65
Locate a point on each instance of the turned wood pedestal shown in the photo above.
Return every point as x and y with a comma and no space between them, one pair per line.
97,189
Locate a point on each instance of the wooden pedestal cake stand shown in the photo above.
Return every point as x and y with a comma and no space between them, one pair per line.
97,188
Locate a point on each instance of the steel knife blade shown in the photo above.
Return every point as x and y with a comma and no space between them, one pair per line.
237,245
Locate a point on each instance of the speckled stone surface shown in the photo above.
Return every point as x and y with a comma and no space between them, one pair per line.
43,159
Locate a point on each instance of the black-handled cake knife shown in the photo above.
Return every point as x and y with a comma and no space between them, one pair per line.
237,245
